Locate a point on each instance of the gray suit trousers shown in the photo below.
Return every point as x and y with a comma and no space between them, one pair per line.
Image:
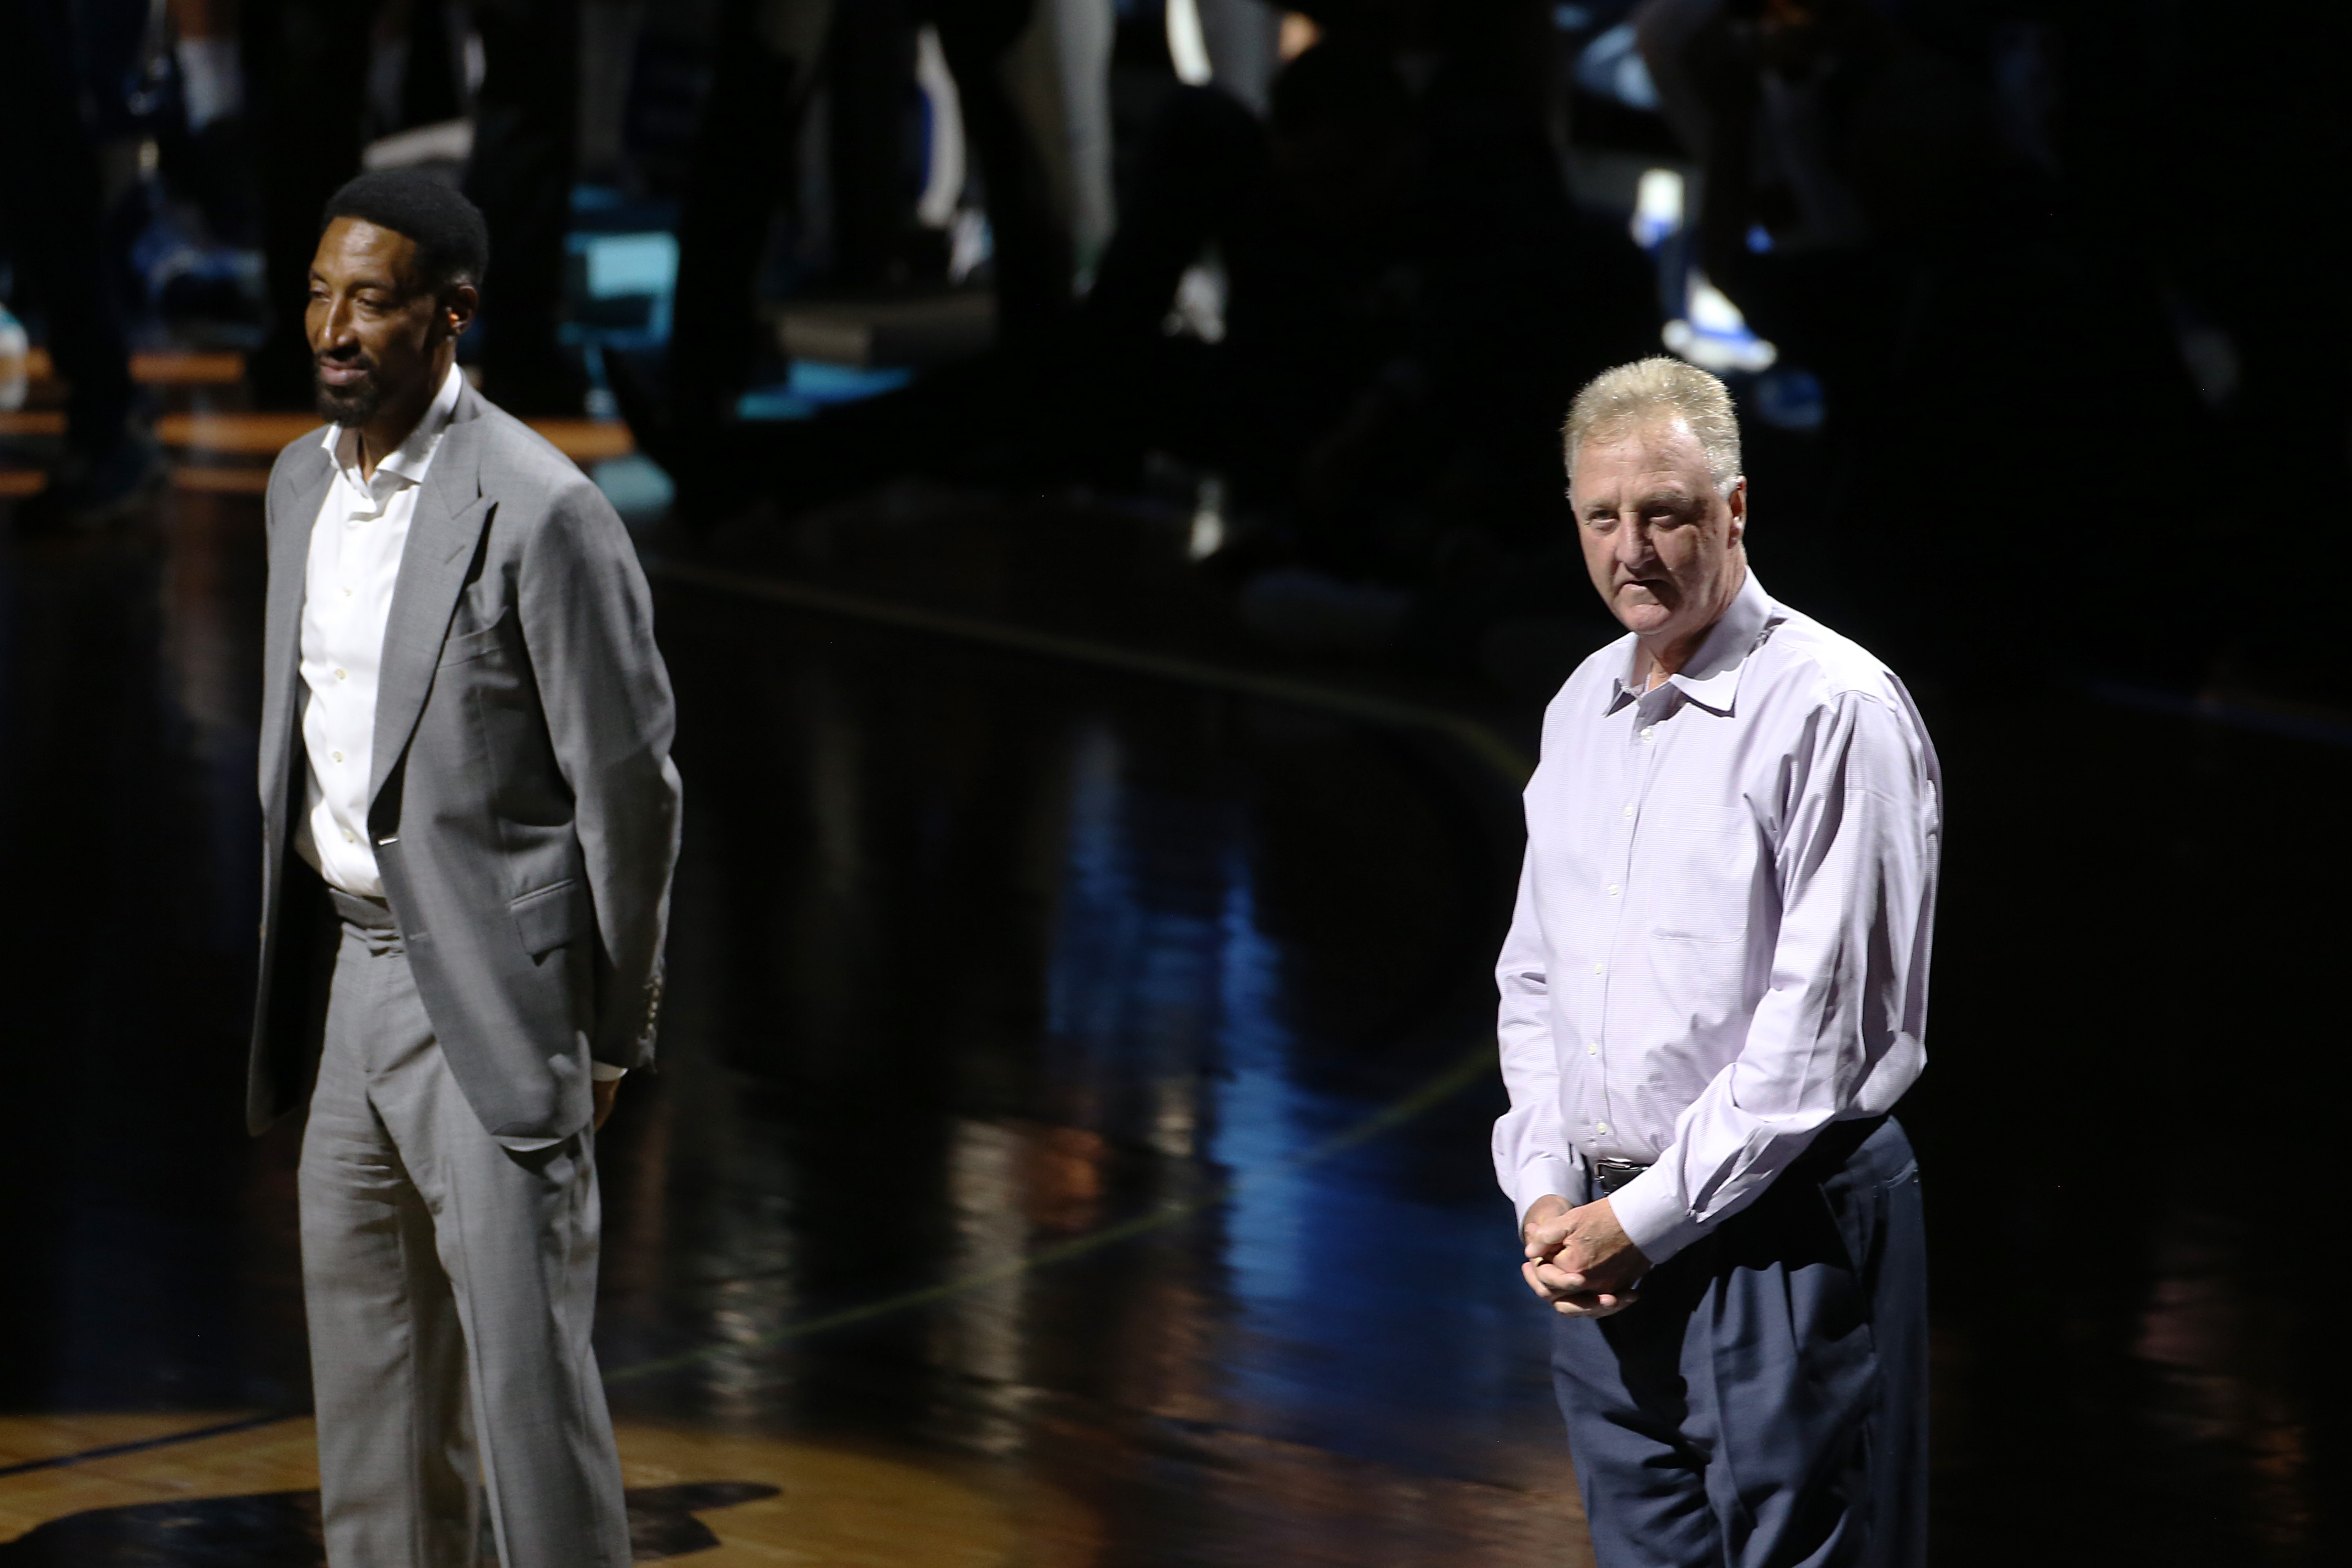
451,1284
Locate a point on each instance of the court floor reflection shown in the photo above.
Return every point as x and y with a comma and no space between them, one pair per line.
976,956
1025,1120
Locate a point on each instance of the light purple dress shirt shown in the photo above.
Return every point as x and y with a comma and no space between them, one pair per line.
1721,940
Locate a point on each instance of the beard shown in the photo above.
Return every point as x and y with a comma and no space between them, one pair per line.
348,406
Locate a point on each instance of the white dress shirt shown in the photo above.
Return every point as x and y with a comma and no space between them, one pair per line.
354,563
355,548
1721,940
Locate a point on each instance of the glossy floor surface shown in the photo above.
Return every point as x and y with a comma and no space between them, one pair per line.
1070,1143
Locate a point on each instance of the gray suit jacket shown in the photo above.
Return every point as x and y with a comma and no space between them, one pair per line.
522,801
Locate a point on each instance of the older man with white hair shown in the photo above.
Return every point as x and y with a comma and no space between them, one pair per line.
1714,991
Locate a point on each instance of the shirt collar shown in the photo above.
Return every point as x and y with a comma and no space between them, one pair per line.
1711,679
413,457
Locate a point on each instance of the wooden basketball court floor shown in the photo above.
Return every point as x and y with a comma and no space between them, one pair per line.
1069,1145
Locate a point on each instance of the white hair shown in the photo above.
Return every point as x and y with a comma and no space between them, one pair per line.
1617,401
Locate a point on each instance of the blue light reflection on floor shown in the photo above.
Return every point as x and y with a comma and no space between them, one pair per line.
1366,1318
1259,1122
1129,976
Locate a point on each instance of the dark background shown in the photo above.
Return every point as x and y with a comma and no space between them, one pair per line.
984,944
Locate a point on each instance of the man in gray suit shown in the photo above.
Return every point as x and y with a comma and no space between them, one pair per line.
471,821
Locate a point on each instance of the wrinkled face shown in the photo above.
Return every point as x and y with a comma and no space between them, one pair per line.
1663,546
375,327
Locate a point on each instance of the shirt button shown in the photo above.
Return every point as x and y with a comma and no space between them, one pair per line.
1629,811
340,675
1648,730
1596,968
337,756
347,594
350,837
1591,1048
1612,886
1602,1128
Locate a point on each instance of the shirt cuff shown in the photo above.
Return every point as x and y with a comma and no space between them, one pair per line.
1548,1175
606,1072
1652,1217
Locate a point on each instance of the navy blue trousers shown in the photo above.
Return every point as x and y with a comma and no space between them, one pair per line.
1764,1404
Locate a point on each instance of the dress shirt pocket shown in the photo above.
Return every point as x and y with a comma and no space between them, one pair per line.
465,647
1701,861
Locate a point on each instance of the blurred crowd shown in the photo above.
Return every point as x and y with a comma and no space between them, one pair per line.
2017,295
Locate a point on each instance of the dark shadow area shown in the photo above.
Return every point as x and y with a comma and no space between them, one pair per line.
280,1530
1155,492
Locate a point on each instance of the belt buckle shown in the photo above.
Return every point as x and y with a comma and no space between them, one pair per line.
1612,1173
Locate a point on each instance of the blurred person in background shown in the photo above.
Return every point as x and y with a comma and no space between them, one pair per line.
763,73
216,162
52,225
1307,215
1411,295
772,56
526,136
311,62
1889,200
2220,206
1714,991
1409,298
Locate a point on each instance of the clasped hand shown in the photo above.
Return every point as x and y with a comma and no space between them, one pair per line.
1580,1259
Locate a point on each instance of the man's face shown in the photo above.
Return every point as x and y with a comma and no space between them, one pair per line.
1662,545
373,326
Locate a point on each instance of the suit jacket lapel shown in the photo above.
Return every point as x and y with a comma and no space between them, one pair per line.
450,514
296,505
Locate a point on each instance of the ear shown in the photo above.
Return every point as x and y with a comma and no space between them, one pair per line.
458,306
1736,503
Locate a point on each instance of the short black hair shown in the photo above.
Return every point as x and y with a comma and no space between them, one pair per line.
453,243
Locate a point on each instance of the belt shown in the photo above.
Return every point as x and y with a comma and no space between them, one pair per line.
1833,1145
1610,1175
367,914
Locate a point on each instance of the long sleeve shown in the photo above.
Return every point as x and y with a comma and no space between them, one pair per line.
1531,1154
1839,1031
587,620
